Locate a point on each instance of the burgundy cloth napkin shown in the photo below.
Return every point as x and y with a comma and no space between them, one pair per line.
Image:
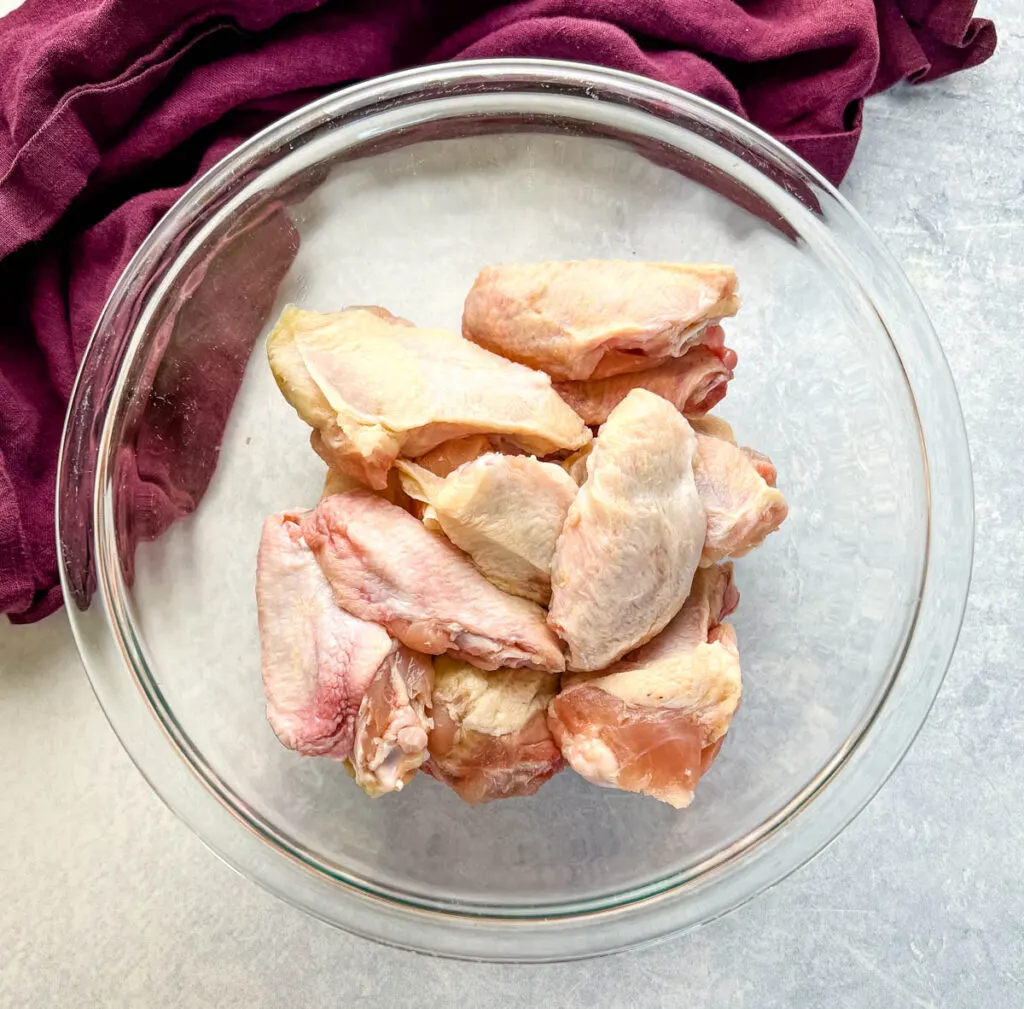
108,108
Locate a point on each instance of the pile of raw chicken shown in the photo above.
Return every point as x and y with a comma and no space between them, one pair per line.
519,558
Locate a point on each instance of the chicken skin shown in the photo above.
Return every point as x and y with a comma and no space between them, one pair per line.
491,739
596,318
506,512
654,722
633,536
384,566
373,387
693,384
318,660
742,507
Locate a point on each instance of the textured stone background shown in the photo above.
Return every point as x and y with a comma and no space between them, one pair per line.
106,899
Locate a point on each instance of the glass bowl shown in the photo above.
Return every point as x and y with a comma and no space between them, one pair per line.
396,192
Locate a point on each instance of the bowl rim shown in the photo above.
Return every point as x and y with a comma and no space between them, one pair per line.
597,929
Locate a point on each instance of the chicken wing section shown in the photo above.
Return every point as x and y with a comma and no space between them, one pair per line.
384,566
654,722
736,487
393,723
506,512
373,387
632,539
693,384
596,318
491,739
742,507
318,660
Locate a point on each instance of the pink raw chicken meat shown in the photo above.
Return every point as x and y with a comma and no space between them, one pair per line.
451,454
318,660
491,739
596,318
654,722
764,466
384,566
693,383
742,506
394,723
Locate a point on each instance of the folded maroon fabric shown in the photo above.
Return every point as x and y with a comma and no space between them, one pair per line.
108,108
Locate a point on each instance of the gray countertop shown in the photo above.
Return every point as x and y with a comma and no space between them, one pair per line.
107,899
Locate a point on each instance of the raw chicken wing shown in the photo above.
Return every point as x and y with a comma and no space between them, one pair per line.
491,739
712,598
393,724
383,565
592,319
654,722
445,459
742,507
318,660
693,384
631,542
374,387
504,511
736,487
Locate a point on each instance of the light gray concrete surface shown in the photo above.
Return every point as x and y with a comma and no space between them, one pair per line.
106,899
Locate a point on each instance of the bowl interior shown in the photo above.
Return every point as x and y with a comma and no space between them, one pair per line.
826,605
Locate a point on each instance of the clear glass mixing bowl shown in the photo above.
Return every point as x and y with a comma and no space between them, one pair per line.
396,192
